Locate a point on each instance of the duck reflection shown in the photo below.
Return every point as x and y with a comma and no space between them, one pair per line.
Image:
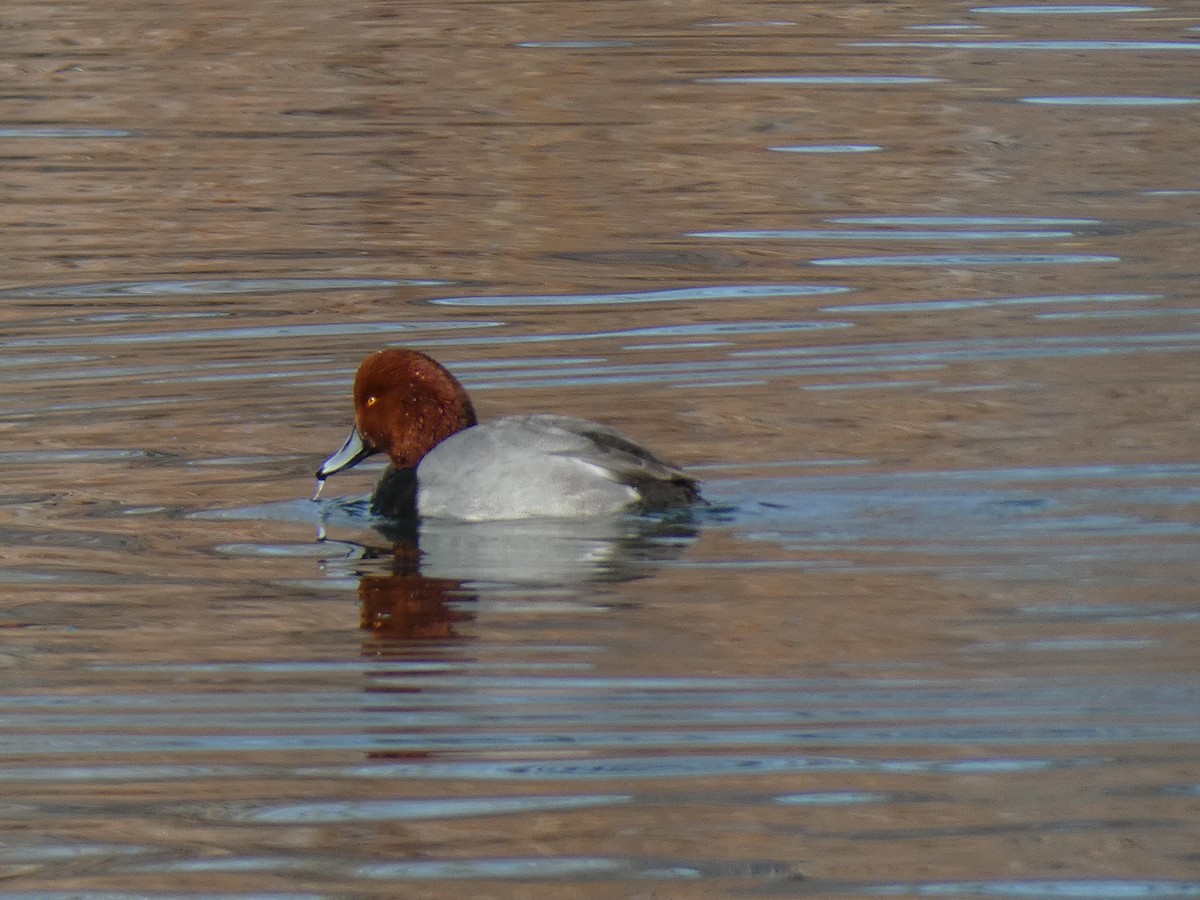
419,581
419,587
405,605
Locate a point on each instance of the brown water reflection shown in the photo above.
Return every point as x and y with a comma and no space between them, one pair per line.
924,329
406,605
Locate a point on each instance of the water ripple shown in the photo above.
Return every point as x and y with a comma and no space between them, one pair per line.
1112,101
479,868
574,45
150,895
979,259
411,810
1046,889
863,234
721,292
1056,46
593,741
835,798
61,131
536,770
1065,9
952,305
203,287
969,221
45,457
330,329
585,715
821,79
699,329
828,148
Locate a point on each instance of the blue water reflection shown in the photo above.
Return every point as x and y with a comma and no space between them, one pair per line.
204,287
821,79
976,259
1111,101
1043,45
716,292
862,234
828,148
1065,9
1091,889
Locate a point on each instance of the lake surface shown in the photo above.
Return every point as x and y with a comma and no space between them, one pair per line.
911,287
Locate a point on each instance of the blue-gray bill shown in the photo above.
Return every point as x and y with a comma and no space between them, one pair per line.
354,451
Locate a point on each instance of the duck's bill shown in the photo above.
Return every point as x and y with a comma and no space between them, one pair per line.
354,451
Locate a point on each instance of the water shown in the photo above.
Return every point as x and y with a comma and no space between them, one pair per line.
909,287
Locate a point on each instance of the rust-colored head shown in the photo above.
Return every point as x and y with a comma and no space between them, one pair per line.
406,403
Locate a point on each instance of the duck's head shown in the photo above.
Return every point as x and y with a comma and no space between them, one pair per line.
405,404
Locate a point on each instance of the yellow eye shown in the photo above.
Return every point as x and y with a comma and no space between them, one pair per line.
371,401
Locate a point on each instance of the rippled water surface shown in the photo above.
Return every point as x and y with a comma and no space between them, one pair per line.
911,287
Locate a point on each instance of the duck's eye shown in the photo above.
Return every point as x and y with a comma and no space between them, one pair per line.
372,400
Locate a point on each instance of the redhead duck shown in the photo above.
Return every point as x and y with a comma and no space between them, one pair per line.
445,464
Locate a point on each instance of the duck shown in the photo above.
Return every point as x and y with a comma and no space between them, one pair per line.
444,463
